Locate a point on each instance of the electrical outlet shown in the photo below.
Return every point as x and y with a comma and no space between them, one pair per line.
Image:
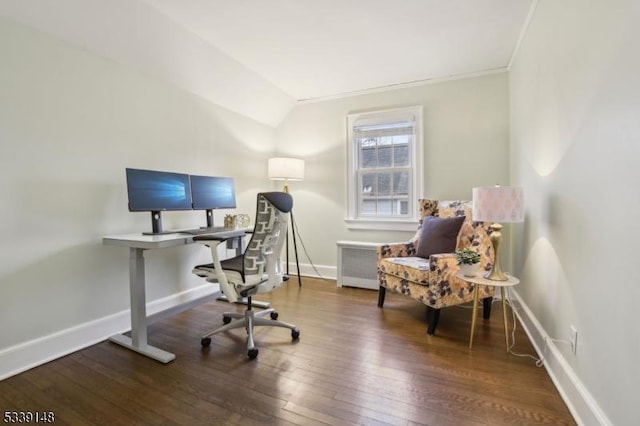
574,340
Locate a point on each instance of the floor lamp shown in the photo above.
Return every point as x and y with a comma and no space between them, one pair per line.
497,204
288,169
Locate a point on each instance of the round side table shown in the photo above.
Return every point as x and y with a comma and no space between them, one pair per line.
479,280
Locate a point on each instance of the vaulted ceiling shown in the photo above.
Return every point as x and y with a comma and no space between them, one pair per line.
318,48
258,57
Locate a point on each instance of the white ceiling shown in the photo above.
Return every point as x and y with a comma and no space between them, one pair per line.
258,57
319,48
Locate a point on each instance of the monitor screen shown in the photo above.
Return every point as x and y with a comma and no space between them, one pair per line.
151,190
212,192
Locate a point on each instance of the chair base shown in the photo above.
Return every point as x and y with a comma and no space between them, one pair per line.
249,320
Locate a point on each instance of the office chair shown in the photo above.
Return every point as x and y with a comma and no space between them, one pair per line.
257,270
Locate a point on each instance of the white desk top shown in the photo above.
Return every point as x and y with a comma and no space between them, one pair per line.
480,279
139,240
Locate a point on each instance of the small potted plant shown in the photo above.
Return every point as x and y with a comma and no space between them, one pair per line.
468,261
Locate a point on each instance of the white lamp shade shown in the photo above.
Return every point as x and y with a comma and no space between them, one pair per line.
501,204
283,168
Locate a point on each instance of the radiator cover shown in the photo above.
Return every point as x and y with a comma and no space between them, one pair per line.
357,264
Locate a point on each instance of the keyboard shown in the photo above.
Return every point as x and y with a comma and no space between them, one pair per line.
205,231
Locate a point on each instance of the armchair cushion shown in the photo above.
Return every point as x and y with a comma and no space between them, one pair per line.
409,268
439,235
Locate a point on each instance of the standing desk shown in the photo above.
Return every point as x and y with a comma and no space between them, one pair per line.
137,244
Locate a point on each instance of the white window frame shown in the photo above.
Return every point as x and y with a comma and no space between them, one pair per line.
405,223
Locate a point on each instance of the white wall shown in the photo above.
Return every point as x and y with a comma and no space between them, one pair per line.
70,122
466,134
575,142
164,49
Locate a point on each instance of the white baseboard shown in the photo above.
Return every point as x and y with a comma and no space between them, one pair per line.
583,407
27,355
320,271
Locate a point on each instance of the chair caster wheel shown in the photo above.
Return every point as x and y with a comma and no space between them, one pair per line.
226,320
253,353
205,342
295,334
274,315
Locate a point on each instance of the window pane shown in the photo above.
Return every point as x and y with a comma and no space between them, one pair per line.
367,142
368,158
401,139
368,208
384,184
385,156
401,155
404,207
401,183
384,193
385,208
385,140
368,183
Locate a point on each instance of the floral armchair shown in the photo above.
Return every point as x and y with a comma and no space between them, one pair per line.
432,280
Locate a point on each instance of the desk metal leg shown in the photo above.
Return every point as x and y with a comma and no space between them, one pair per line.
138,340
504,316
475,313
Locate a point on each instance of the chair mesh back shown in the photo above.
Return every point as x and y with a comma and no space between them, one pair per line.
264,241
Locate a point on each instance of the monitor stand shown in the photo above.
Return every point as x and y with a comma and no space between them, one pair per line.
156,225
209,220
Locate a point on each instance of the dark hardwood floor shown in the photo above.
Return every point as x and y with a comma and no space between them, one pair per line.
354,364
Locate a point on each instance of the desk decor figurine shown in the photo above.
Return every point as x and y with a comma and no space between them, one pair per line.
230,221
240,221
243,220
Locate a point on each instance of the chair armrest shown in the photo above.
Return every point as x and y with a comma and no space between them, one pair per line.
218,276
446,262
443,262
443,272
443,269
405,249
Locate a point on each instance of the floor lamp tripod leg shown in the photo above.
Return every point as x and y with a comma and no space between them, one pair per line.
295,249
286,252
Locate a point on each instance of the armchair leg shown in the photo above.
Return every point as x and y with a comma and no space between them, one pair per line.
486,307
433,315
381,293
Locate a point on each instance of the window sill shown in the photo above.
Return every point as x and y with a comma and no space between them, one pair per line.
409,225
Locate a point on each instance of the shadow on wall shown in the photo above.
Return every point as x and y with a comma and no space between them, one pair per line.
547,284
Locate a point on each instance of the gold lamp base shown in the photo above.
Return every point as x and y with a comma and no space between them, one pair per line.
496,273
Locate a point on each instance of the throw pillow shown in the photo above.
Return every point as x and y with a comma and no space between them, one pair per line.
439,235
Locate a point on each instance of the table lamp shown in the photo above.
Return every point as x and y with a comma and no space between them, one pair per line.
286,169
497,204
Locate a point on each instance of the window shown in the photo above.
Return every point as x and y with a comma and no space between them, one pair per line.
385,168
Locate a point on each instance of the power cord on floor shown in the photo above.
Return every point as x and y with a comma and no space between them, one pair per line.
539,361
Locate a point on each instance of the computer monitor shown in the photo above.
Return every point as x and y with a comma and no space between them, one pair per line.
212,192
156,191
